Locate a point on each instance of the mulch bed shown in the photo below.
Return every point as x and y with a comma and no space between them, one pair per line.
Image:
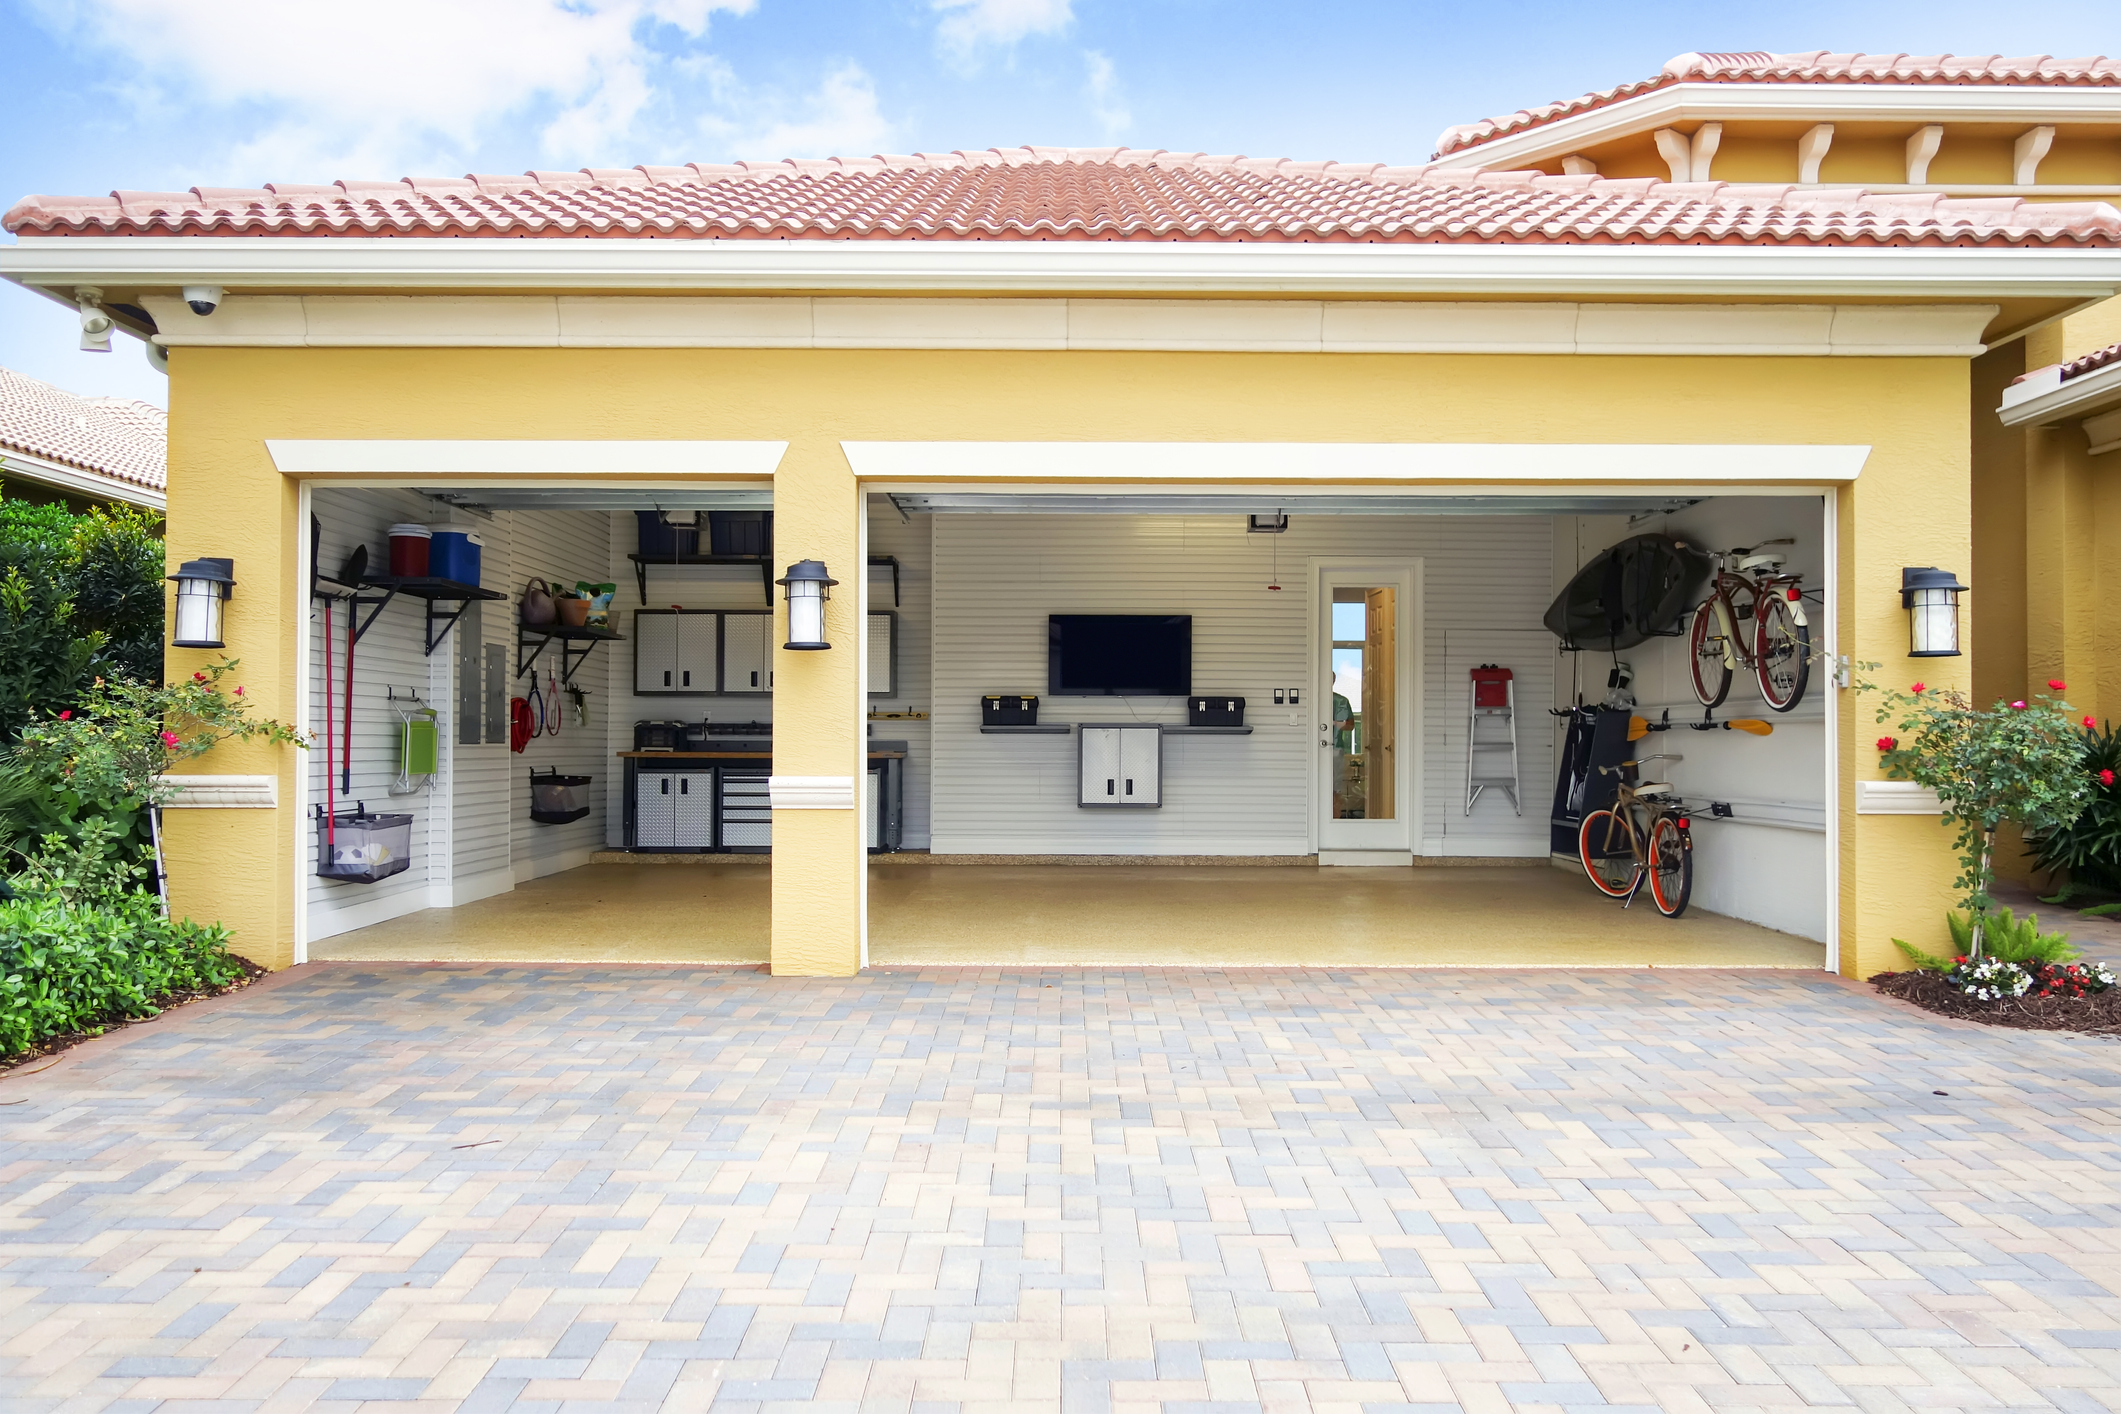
52,1045
2096,1015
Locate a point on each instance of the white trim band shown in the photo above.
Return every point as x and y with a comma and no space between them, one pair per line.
2041,397
1896,798
1220,326
414,457
811,792
1352,462
223,792
1274,268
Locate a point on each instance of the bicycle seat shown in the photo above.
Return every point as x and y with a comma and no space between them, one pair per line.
1768,561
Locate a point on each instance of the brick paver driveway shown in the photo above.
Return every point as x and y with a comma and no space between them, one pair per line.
630,1189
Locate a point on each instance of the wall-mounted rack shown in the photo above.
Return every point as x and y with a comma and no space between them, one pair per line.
1207,731
428,590
536,637
642,563
1061,730
878,562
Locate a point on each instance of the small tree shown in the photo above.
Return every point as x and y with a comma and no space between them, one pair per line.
2018,761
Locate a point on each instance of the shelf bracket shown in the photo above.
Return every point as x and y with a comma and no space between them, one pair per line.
571,657
447,621
358,602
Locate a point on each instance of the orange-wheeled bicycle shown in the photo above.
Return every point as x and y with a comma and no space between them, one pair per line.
1643,837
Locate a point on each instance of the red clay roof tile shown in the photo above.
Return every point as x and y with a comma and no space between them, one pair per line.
1819,67
117,438
1062,194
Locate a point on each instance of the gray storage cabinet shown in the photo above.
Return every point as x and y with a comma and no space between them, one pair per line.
674,652
747,654
1119,766
673,810
746,809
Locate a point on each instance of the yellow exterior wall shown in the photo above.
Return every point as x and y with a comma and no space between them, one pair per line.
1911,506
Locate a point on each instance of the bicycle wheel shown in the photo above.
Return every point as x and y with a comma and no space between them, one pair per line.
1711,670
1782,652
1671,867
1606,845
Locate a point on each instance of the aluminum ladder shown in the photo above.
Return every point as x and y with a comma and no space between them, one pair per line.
1491,741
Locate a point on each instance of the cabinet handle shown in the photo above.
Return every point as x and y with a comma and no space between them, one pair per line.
666,785
1108,786
684,786
688,680
666,679
1130,785
754,679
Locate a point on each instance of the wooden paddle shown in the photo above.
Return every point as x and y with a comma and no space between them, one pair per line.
1640,727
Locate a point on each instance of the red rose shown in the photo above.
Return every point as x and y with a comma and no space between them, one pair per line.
1918,687
2056,684
198,677
2089,724
1886,743
66,716
2106,778
2017,706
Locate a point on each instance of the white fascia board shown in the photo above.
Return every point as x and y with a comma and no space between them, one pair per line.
1250,268
95,486
754,461
1353,463
1790,102
2041,400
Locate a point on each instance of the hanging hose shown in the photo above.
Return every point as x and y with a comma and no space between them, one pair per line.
331,811
520,728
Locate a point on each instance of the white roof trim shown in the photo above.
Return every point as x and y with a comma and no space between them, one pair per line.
1791,102
430,458
2042,397
94,485
1287,269
1352,463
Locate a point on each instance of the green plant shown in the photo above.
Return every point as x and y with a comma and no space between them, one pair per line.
2012,940
80,597
2017,761
67,967
2088,849
44,663
97,866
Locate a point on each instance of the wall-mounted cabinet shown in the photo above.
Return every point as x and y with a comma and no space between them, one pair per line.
1119,766
701,652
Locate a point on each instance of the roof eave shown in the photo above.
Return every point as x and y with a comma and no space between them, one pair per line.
1787,102
2042,399
1268,269
78,481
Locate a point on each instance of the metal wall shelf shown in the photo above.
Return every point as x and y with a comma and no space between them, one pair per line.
423,587
567,637
1026,731
642,563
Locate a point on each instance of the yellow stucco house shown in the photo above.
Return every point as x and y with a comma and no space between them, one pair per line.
1178,510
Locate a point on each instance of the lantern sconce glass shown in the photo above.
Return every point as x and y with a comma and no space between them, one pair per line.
808,586
1931,598
203,585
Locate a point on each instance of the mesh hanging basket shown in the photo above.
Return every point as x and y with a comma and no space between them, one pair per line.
552,798
356,847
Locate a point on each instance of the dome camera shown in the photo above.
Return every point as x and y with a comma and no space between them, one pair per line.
203,299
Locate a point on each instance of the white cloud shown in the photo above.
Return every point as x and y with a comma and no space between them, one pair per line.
839,119
1101,91
969,25
388,82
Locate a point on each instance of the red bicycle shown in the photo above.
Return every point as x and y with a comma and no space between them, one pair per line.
1753,619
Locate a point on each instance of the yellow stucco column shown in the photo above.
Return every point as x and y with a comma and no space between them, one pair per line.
1911,506
226,498
820,858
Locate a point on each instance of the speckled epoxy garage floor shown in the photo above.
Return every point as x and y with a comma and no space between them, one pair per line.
1070,916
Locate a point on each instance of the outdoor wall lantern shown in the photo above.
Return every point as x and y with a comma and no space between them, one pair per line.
202,587
1931,598
808,587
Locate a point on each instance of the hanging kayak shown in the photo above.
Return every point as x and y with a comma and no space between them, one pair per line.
1636,590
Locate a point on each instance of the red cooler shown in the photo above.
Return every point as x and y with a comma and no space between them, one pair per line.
408,551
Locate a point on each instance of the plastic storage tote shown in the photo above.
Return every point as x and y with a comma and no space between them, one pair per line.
661,538
740,532
359,848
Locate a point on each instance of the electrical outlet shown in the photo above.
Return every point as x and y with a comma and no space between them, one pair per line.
1295,697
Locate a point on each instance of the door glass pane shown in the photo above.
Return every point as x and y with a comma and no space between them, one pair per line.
1365,672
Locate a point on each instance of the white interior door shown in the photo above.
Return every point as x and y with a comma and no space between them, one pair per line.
1366,704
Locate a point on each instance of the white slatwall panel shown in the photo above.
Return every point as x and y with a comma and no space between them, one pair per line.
387,656
561,547
997,577
479,786
1761,873
912,542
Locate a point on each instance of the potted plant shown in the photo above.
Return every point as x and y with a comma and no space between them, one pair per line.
2017,761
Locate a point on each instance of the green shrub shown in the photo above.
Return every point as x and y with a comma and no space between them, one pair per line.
2003,937
80,599
2088,849
71,967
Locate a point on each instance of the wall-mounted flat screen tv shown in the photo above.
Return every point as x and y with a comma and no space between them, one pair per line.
1119,655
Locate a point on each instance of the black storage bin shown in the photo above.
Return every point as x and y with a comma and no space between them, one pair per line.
1008,711
660,539
356,847
552,798
1215,711
740,532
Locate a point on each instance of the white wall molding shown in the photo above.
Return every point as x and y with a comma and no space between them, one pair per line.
156,265
1792,103
223,792
1002,463
1896,798
2103,432
414,457
811,792
2042,398
1220,326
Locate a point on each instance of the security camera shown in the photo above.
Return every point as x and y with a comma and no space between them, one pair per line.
203,299
95,324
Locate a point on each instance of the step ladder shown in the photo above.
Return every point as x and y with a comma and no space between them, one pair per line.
1491,735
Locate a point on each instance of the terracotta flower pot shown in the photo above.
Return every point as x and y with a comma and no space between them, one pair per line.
573,612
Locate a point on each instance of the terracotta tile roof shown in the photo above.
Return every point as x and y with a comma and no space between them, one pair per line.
2091,362
1076,194
117,440
1820,67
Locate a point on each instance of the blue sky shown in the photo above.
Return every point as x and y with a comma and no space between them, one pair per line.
168,94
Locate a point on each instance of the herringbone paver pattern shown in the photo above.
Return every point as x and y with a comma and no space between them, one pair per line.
462,1188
